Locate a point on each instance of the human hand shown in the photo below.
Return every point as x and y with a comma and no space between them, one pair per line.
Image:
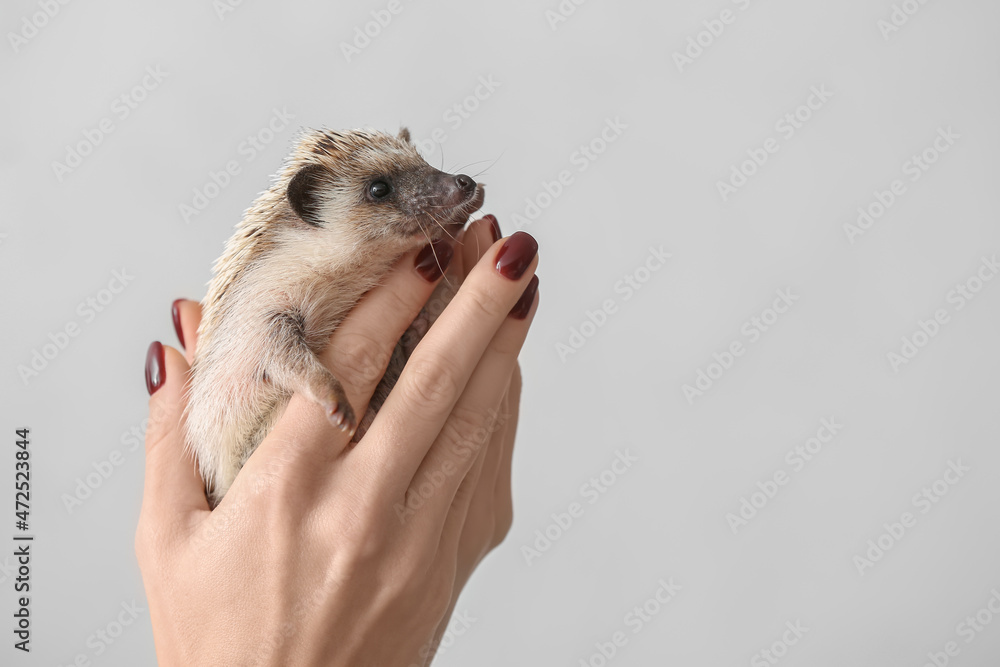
325,554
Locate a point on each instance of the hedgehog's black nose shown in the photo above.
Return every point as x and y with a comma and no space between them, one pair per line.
465,183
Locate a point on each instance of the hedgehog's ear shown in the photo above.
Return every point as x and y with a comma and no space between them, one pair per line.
404,134
303,193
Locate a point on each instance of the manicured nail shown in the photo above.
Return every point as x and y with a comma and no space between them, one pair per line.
516,254
433,260
523,305
156,371
494,227
175,311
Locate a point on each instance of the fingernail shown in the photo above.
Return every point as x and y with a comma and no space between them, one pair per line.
494,227
175,311
433,260
156,372
516,254
523,305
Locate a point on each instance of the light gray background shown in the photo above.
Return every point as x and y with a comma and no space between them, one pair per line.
655,185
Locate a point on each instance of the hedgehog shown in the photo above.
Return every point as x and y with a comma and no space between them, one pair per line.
344,207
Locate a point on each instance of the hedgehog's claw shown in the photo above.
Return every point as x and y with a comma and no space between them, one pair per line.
341,415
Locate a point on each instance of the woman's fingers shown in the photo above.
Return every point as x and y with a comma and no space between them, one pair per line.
476,416
173,488
502,503
359,350
468,528
357,355
436,375
187,318
448,531
478,238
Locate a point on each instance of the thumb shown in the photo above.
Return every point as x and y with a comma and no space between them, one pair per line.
173,486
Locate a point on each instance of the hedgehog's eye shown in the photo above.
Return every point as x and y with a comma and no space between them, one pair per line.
379,189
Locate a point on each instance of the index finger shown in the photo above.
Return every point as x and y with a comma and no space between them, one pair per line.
439,369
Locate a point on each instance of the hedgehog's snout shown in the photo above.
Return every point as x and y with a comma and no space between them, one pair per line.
443,191
433,199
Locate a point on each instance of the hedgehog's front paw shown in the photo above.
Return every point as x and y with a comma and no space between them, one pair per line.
342,416
338,410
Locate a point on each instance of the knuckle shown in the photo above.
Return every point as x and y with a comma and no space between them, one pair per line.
431,381
159,438
363,531
401,303
421,567
366,548
360,360
466,430
486,304
507,346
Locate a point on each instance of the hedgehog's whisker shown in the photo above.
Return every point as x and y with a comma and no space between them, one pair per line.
437,260
424,232
487,168
473,163
443,228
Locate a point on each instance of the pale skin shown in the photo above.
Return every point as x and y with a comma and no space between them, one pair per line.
320,554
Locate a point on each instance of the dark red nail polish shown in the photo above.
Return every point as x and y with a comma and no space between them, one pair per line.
156,371
175,312
523,305
516,254
433,260
494,227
